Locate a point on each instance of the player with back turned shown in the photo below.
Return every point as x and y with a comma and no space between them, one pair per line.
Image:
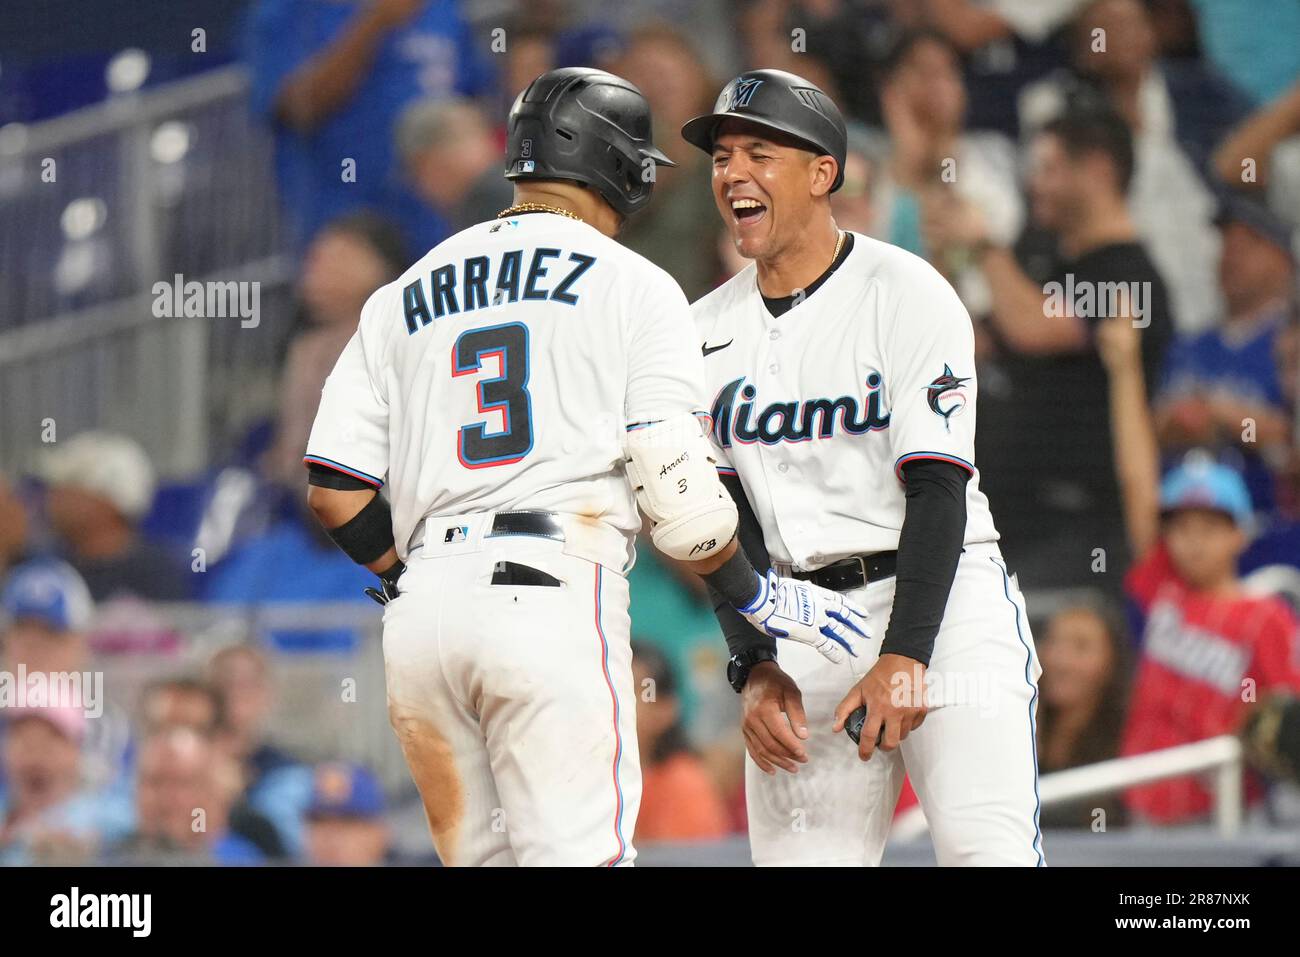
520,390
843,376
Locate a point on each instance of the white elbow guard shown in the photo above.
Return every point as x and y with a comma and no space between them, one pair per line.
671,466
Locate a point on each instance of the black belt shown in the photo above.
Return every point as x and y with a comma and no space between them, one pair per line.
536,524
532,524
850,573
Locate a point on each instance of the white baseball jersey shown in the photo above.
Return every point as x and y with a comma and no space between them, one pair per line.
817,410
501,371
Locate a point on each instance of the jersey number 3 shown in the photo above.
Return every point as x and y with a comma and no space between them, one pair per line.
506,393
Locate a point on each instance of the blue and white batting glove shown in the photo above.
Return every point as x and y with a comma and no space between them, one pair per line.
804,612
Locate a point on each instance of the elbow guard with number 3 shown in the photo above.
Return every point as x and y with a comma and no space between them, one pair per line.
674,473
671,466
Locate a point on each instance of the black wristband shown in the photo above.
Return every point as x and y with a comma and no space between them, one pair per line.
368,534
735,580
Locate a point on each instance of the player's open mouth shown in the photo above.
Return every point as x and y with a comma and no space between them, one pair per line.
748,211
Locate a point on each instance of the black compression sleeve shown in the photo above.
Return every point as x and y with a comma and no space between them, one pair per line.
929,546
740,634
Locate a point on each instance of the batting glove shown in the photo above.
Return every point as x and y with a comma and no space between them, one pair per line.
807,613
387,589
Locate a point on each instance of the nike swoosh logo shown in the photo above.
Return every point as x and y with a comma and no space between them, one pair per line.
709,350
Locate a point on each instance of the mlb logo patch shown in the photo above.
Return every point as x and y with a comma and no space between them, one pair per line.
527,166
457,533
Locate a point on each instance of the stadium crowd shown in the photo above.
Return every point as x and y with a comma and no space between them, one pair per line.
1112,186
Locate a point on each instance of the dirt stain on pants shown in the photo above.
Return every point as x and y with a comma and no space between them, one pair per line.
433,767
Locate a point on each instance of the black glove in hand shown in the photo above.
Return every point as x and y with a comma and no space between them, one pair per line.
388,584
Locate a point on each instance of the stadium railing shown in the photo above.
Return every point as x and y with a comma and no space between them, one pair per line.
1220,757
330,697
97,208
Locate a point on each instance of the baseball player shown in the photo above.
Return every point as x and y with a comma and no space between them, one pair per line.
843,376
519,390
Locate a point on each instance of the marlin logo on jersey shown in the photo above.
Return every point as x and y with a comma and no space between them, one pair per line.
945,396
794,421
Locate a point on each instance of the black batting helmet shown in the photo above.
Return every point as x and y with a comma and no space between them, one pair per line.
780,101
588,126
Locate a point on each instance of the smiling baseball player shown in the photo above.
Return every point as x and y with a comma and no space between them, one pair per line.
522,388
843,375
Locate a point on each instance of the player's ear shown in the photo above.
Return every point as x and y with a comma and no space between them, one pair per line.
821,175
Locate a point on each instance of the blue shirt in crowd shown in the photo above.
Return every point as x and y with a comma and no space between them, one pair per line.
289,564
1256,45
433,55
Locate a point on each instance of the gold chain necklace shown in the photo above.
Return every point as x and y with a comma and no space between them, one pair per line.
536,208
839,244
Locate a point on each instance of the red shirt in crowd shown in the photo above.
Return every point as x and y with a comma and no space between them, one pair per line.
1197,651
680,802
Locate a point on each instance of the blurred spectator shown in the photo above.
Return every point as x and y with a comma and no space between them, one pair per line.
293,562
678,86
711,24
193,705
1209,650
932,160
679,800
454,160
276,785
101,484
183,798
13,527
47,612
179,703
530,52
45,814
1174,23
332,78
345,820
1263,154
1045,439
1082,698
1177,113
846,37
350,258
1217,383
854,204
1256,48
1008,43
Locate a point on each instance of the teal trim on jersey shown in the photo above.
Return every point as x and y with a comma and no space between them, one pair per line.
1033,705
345,469
932,456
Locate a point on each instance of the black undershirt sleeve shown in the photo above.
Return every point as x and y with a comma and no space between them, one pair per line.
326,477
929,546
740,634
